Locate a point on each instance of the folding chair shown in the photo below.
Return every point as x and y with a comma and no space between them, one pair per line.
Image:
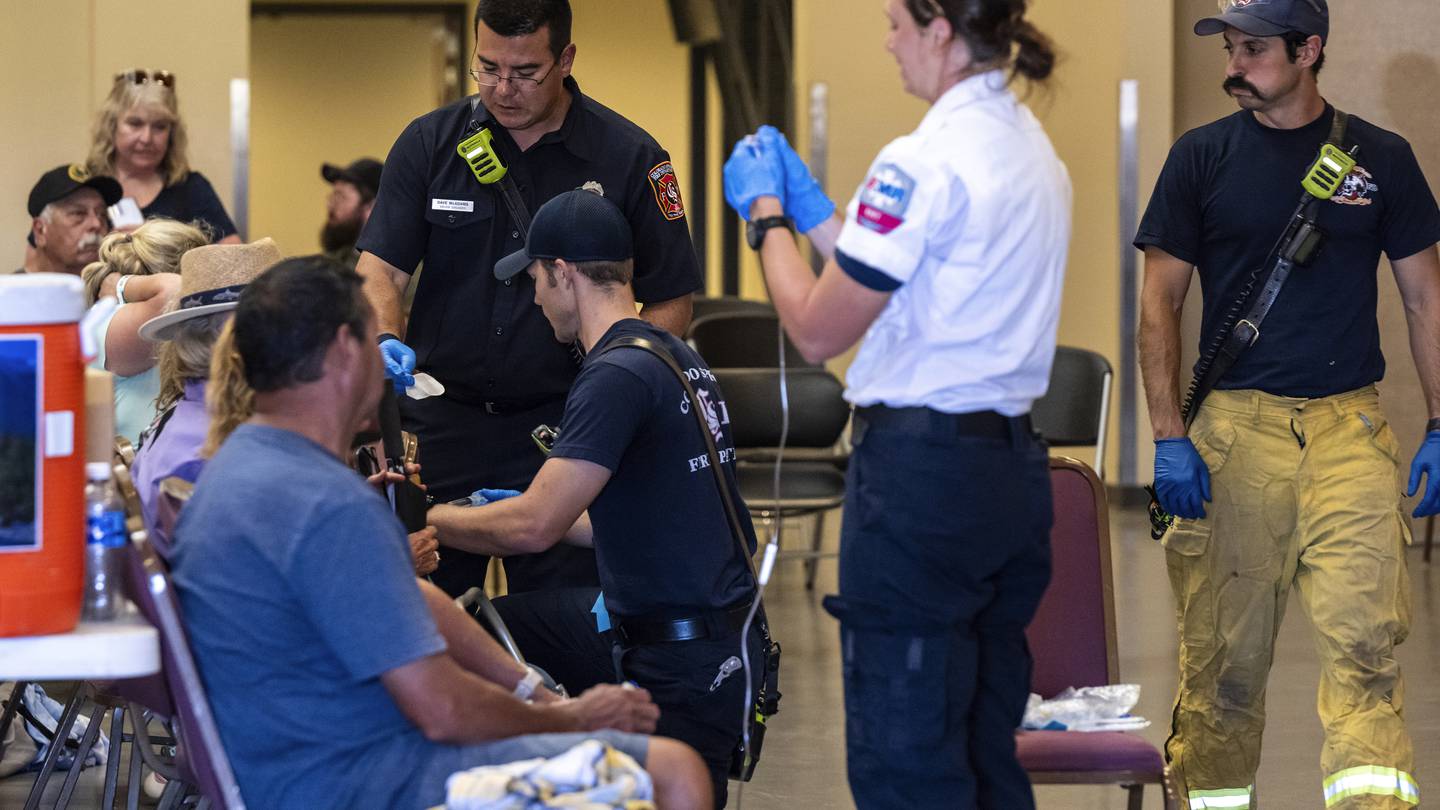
742,339
811,481
1072,639
702,305
200,760
1075,411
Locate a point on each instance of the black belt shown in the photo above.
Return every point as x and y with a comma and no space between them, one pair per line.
928,421
636,632
502,407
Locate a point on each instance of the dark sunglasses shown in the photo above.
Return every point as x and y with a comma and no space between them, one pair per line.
138,76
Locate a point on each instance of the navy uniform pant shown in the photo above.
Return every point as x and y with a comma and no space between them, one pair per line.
944,555
556,631
464,448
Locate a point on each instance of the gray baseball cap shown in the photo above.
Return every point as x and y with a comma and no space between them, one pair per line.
1269,18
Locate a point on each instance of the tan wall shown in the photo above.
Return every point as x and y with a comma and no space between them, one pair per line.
57,62
841,42
1380,65
355,107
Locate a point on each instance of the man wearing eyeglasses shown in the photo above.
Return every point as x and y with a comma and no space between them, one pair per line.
483,338
68,219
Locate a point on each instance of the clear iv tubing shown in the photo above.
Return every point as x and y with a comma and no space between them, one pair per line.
767,564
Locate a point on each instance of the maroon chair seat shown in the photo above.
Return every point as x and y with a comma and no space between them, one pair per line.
1072,639
1087,751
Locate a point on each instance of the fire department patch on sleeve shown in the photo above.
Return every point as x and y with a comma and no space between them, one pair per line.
667,191
885,198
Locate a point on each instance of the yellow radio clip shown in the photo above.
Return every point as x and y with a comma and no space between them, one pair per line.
478,152
1329,172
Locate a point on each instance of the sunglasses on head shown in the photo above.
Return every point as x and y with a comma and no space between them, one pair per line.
138,76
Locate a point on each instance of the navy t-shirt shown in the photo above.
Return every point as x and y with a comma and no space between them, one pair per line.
1223,199
662,542
192,200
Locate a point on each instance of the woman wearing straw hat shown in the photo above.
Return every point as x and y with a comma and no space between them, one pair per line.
211,278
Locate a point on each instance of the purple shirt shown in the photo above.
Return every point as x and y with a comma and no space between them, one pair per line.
172,449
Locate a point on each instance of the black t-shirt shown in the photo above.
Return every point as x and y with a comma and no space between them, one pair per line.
662,541
485,339
192,200
1223,199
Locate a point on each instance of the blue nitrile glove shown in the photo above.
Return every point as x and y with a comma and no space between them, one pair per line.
805,201
399,363
752,172
1182,481
1427,461
480,497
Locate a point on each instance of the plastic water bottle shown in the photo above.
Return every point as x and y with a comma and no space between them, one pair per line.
104,540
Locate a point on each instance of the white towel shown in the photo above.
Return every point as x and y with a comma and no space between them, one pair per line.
590,776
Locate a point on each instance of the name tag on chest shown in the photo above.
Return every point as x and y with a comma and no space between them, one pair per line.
467,206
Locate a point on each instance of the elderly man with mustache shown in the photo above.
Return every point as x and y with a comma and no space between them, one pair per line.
67,207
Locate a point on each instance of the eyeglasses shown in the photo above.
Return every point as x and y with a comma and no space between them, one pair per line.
489,78
138,76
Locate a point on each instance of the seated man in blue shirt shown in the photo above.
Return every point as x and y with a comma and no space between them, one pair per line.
678,590
337,678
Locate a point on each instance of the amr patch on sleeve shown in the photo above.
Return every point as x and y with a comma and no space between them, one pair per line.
885,198
667,191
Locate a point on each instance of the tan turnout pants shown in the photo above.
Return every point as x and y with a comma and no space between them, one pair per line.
1304,492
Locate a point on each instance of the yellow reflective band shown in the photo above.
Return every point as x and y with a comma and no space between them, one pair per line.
1371,780
1229,798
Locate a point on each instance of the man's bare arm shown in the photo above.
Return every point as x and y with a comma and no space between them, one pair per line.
1167,280
673,316
1418,278
384,288
530,522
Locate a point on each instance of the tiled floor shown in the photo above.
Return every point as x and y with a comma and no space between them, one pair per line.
804,767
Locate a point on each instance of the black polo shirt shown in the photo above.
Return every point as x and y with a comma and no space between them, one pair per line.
485,339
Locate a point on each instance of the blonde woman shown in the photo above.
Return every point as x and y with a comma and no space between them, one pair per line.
139,269
139,139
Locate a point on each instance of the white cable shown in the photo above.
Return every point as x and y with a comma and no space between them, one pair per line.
767,565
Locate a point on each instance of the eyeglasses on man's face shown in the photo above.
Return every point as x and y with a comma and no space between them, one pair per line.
491,78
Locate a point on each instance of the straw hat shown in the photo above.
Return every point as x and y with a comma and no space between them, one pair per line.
211,278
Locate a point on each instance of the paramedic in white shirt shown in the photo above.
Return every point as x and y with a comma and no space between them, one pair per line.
949,261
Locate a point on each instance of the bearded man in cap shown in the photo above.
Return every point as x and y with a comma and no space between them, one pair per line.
67,207
1281,470
347,209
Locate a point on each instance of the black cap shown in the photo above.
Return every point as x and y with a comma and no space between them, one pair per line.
62,181
1270,18
364,174
577,226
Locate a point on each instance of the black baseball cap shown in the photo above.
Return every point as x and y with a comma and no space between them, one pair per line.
364,174
577,226
62,181
1270,18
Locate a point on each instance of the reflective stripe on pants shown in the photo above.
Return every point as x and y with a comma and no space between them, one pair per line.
1231,799
1371,780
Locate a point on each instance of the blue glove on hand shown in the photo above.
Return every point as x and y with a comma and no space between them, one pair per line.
399,363
1182,481
480,497
805,201
751,172
1427,461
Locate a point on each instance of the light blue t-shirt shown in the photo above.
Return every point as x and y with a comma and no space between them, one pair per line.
297,592
134,396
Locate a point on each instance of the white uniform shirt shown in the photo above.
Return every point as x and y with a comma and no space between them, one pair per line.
967,219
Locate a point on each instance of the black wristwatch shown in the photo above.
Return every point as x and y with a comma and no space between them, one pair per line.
1432,425
755,229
